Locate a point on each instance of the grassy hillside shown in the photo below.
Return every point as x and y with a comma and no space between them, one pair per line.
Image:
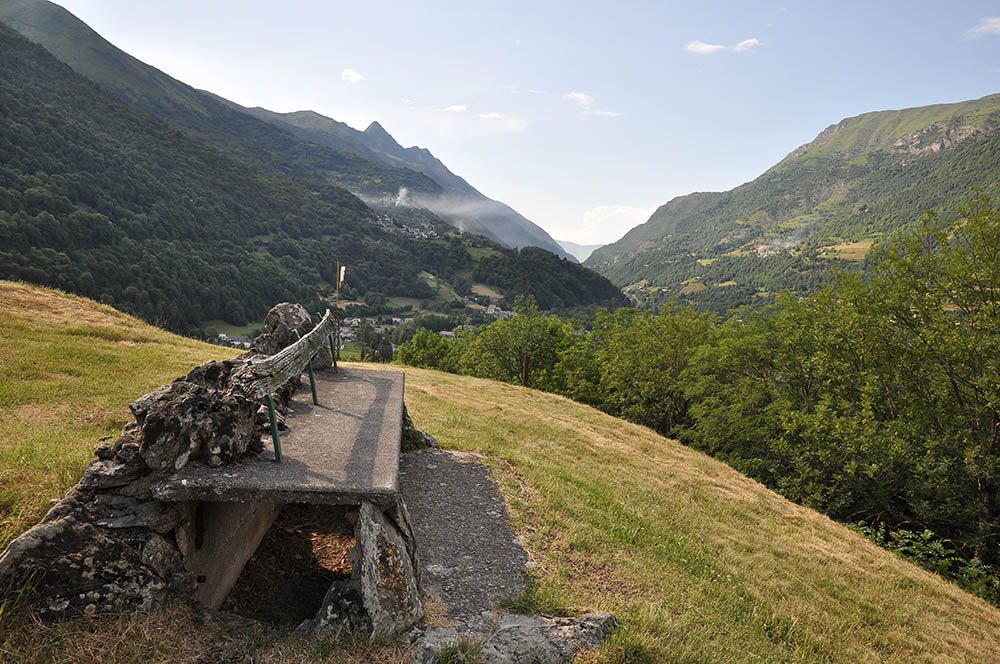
69,367
698,562
859,180
880,130
701,563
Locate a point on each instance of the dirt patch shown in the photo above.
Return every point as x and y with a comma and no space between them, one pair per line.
39,414
303,554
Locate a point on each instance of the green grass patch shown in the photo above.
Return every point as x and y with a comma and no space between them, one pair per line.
68,370
461,652
229,329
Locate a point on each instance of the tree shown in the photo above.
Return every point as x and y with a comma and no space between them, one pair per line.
941,287
878,398
522,349
425,349
631,363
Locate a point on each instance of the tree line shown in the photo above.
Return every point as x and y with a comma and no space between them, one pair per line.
875,400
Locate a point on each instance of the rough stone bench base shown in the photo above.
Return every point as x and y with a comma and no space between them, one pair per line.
217,540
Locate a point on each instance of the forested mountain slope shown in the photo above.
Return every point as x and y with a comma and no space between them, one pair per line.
199,114
101,199
460,203
816,211
104,200
368,163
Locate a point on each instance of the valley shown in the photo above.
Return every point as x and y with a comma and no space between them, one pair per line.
760,424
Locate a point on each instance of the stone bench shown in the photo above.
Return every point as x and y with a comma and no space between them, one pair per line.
340,452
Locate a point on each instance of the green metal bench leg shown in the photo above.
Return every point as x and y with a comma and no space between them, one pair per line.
274,427
312,383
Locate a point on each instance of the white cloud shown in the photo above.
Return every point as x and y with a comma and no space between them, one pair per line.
585,103
987,26
457,108
581,99
502,122
607,223
746,45
702,48
351,76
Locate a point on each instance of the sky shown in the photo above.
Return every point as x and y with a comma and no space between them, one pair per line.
583,116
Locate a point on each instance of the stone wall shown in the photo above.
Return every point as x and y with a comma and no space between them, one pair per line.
109,546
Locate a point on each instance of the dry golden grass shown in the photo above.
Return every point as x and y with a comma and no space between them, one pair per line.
693,287
849,251
486,291
698,561
176,635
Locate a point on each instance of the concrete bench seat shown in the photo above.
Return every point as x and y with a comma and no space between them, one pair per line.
342,451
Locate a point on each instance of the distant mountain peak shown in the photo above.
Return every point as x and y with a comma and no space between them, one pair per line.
382,139
376,130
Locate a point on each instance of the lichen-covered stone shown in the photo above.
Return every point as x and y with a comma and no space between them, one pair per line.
285,324
515,638
386,567
342,608
118,511
108,545
521,638
74,566
185,421
413,438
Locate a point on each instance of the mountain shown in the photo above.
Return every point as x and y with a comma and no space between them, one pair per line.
102,199
325,152
579,251
199,114
815,212
461,204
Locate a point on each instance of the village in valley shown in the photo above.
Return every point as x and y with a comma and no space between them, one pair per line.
378,337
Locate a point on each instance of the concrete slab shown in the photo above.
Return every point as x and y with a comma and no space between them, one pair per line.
340,452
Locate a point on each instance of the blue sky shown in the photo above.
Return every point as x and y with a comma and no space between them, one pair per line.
583,116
